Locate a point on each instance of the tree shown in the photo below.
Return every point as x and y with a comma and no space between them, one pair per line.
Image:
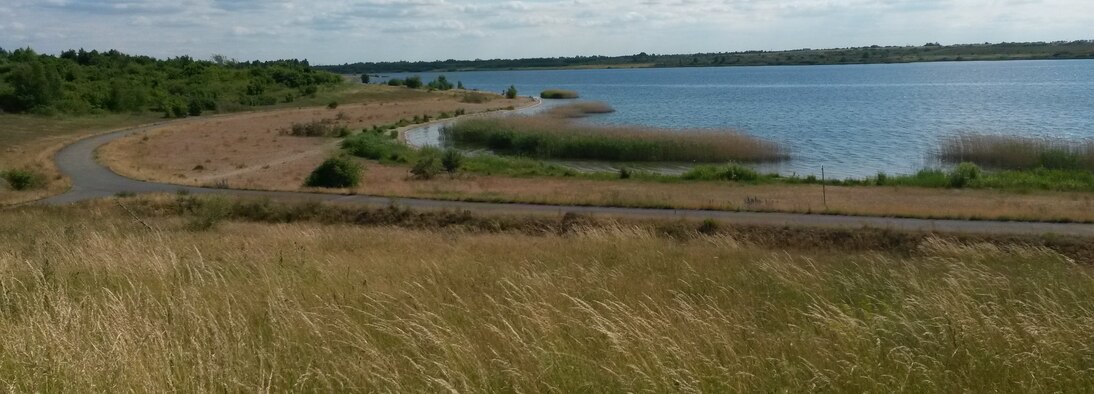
511,93
35,85
364,78
459,85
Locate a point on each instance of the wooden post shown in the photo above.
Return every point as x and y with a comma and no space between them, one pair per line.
824,189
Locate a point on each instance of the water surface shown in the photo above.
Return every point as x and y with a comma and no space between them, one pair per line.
854,120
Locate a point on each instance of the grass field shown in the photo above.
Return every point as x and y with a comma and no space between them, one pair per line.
93,299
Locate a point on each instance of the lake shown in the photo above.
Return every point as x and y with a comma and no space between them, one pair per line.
854,120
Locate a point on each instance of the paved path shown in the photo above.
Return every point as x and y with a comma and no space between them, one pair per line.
92,180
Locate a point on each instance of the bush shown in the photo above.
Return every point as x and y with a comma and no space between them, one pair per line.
624,173
375,146
332,105
414,82
427,166
964,174
395,82
728,172
452,160
23,179
441,83
558,94
336,172
511,93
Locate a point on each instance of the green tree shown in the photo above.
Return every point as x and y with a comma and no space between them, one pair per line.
364,78
34,85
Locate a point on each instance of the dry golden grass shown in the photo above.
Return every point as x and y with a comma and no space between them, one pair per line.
580,110
858,200
94,301
206,151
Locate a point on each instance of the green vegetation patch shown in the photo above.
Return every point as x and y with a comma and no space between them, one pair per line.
22,179
336,172
81,82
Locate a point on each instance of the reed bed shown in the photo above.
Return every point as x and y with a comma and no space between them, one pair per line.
581,110
553,138
93,301
1013,152
559,94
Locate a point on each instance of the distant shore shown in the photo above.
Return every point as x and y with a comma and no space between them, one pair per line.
931,52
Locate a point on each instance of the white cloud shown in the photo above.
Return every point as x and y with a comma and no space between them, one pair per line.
329,31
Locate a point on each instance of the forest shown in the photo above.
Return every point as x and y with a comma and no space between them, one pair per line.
81,82
930,52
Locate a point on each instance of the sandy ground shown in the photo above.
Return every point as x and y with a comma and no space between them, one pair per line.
220,149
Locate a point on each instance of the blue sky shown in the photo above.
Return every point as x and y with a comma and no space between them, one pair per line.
328,32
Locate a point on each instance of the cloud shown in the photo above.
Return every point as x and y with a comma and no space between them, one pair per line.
332,31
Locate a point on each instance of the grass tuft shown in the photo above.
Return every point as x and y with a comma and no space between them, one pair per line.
1018,153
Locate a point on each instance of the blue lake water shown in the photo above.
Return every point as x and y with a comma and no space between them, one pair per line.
854,120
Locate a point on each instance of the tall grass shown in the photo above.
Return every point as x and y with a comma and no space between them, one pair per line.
559,94
93,300
546,137
581,110
1013,152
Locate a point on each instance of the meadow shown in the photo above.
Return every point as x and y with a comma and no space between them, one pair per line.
196,298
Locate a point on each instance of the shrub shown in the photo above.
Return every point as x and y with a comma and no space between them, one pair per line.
511,93
441,83
414,82
395,82
336,172
624,173
209,213
427,166
376,146
332,105
452,160
728,172
23,179
323,128
558,94
963,174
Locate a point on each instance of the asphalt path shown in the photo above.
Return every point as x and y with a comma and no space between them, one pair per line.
92,180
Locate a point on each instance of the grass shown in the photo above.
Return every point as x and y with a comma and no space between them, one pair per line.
559,94
246,306
549,138
1018,153
580,110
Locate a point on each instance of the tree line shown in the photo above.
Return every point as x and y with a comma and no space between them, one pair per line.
83,82
1083,49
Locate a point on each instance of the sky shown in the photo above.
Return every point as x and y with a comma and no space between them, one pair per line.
335,32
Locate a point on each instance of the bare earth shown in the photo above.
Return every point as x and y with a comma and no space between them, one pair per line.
225,148
248,152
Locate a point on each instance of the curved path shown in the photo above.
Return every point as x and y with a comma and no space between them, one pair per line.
92,180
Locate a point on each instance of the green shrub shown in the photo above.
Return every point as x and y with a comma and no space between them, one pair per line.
452,160
964,174
414,82
332,105
428,165
336,172
208,213
23,179
395,82
624,173
374,146
511,93
728,172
